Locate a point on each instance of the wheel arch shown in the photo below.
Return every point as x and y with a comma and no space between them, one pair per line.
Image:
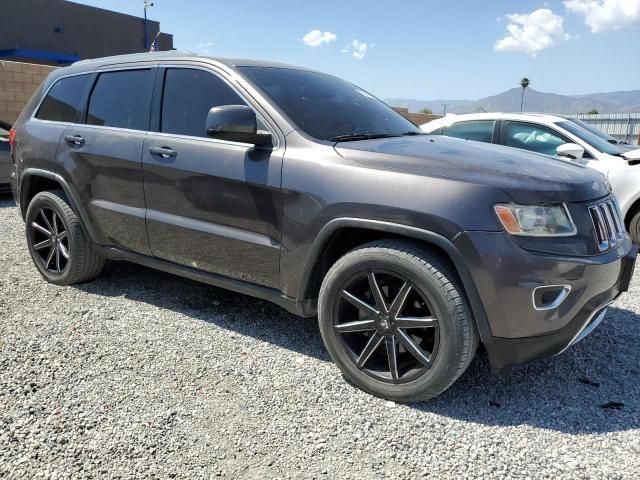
34,181
343,234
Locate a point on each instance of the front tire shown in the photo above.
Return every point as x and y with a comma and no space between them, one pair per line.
634,228
395,321
58,245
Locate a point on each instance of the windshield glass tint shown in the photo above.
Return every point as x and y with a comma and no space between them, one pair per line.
592,129
324,106
595,141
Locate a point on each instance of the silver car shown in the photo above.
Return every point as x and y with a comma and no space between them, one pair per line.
5,157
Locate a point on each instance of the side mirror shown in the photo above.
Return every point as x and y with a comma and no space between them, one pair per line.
570,151
236,123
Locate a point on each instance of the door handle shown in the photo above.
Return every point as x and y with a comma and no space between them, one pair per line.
74,139
164,152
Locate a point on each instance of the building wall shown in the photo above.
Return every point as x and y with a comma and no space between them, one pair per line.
65,27
18,81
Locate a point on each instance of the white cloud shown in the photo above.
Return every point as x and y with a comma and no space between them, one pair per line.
359,49
601,15
315,38
532,32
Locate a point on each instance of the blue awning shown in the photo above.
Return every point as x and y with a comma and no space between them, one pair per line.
61,58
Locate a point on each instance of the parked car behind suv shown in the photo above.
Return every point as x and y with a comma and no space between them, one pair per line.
557,135
5,157
302,189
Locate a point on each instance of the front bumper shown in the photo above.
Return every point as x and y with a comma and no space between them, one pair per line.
506,276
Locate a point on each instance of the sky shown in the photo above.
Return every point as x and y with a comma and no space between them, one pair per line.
428,49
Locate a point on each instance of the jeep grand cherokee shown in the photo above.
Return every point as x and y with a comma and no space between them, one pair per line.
300,188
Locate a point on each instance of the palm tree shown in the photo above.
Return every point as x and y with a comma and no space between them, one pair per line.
524,83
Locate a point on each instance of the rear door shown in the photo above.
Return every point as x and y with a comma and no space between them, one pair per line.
104,153
477,130
212,204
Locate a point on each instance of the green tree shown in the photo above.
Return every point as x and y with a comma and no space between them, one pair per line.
426,111
524,83
593,111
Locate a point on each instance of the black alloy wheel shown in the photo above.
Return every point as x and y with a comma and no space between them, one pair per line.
49,240
387,326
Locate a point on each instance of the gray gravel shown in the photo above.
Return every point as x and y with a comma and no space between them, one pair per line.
141,374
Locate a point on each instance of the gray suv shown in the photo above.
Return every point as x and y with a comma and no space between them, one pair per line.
302,189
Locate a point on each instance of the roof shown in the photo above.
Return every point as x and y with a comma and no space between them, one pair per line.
174,55
534,117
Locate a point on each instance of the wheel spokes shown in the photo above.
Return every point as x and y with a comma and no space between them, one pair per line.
412,322
63,250
398,302
41,229
372,345
50,256
46,220
55,223
43,244
411,346
392,356
357,326
359,304
377,294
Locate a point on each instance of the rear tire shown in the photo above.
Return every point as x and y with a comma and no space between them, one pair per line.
408,354
59,247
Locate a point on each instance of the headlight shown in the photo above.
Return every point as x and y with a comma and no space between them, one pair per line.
536,220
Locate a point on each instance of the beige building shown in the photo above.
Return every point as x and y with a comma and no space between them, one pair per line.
18,81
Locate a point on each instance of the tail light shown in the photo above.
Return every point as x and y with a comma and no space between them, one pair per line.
12,137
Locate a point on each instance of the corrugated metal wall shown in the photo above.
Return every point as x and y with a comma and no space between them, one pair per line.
624,127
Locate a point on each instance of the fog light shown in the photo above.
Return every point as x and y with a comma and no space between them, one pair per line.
548,297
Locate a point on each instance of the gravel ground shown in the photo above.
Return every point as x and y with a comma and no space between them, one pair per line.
141,374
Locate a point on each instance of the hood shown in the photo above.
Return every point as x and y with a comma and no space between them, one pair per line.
632,154
526,177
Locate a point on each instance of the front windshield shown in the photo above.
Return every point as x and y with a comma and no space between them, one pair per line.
594,130
595,141
326,107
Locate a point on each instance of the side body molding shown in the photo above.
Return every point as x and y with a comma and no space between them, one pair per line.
406,231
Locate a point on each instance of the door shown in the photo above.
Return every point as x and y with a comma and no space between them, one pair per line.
104,155
212,205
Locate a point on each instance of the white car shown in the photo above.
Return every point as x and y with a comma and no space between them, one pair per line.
558,136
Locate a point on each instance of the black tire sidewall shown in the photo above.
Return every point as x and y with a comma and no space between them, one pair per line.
45,199
438,377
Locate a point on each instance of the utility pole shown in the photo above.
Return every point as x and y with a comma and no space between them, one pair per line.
147,4
444,111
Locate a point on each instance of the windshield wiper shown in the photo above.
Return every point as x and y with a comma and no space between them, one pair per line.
352,137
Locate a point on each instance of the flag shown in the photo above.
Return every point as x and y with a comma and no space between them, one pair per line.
155,47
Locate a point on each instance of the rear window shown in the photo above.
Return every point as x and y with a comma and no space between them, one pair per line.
478,130
62,103
122,99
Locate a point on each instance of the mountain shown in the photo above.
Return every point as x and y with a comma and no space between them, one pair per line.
625,100
436,106
534,101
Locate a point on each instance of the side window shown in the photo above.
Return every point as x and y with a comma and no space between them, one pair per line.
535,138
478,130
122,99
62,103
188,96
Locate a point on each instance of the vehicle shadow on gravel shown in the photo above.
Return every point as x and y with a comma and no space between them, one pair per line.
592,388
240,313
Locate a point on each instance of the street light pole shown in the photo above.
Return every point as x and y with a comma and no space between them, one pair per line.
147,4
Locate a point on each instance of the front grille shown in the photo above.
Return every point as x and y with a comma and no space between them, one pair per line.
608,224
